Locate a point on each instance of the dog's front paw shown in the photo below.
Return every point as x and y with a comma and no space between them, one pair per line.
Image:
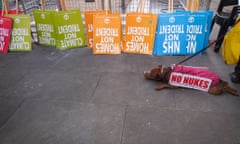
163,86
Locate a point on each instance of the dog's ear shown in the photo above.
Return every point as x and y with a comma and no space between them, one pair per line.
160,66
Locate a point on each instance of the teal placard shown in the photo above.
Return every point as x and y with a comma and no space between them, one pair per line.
21,33
44,26
69,29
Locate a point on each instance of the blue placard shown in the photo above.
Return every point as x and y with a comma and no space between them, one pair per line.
195,32
209,15
170,34
182,33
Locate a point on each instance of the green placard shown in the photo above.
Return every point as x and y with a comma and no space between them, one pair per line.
21,33
44,27
69,29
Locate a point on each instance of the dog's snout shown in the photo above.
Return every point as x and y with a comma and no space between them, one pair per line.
146,72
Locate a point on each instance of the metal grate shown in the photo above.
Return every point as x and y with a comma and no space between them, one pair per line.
153,6
114,5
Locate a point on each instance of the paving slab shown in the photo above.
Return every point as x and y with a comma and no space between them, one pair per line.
15,67
149,124
207,127
156,125
69,86
131,89
54,122
8,106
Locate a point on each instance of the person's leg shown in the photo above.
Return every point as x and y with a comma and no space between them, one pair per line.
235,76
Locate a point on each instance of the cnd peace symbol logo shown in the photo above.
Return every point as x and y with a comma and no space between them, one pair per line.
66,17
43,16
17,20
106,20
172,19
138,19
191,19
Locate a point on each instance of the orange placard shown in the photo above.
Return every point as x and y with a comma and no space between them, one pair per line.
140,33
89,25
107,34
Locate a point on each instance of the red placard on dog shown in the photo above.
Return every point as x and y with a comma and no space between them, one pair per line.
190,81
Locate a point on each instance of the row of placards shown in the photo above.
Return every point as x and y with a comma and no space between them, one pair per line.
182,33
179,33
63,29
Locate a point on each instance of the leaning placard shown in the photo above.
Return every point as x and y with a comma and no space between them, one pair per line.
5,33
5,30
107,34
44,25
89,25
88,15
140,33
170,34
69,29
21,33
209,15
195,32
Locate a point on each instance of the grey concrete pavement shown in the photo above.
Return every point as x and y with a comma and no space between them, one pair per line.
49,96
74,97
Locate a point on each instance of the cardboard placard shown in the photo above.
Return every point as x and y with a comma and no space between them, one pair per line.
69,29
5,33
190,81
44,27
21,33
209,15
89,25
107,35
195,32
140,33
170,34
181,33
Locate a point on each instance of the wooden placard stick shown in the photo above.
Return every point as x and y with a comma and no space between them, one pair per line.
170,5
43,4
63,5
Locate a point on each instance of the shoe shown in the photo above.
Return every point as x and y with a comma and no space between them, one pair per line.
235,77
217,48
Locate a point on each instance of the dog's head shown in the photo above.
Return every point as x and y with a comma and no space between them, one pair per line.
158,73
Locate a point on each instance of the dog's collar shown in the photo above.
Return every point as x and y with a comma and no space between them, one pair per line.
165,74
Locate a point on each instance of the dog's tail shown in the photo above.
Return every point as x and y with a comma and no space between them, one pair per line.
228,89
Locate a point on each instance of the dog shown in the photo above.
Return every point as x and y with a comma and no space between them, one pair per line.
161,73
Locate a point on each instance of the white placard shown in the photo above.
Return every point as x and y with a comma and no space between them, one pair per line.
190,81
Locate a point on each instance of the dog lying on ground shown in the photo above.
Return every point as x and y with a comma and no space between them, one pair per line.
216,87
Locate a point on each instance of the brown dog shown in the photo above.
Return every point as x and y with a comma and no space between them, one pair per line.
162,74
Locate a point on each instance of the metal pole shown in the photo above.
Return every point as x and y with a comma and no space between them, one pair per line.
102,2
123,6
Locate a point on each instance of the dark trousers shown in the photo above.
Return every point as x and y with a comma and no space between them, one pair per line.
237,67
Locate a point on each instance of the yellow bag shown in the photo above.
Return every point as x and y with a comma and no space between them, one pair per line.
231,45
